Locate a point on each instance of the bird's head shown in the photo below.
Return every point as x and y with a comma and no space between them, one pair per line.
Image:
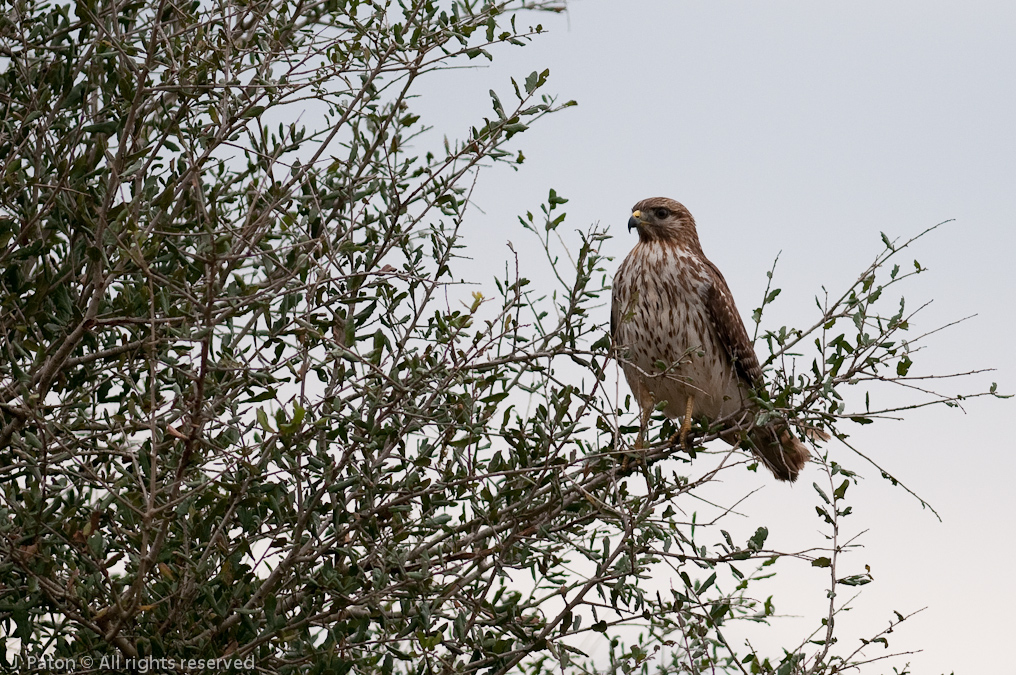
659,218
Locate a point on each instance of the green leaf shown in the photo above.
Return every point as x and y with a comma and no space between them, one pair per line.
554,200
102,127
821,493
263,421
498,108
789,665
821,562
718,611
758,539
514,128
267,395
855,580
552,224
290,428
536,80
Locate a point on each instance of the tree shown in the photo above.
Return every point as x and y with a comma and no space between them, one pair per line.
248,410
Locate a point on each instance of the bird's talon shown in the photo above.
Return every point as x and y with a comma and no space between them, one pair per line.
689,408
685,439
631,462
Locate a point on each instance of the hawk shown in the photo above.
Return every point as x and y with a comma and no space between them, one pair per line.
679,338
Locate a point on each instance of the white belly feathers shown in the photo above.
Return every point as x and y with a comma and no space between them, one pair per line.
667,344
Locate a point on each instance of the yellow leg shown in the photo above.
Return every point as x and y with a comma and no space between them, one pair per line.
640,440
689,408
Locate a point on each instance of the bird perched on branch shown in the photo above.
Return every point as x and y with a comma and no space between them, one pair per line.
679,338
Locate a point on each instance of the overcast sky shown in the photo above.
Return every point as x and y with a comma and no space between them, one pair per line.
808,128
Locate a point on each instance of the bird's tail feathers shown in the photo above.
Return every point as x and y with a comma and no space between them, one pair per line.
780,450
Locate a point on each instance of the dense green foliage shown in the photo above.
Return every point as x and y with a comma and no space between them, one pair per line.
245,412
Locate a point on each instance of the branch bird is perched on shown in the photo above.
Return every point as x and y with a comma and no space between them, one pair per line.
680,339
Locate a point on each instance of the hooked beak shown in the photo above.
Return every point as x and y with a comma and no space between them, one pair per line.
635,220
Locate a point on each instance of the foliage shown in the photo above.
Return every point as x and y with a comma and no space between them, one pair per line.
244,414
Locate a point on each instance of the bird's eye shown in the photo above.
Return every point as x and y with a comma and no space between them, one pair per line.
662,214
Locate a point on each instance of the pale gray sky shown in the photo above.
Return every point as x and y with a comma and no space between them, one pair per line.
808,128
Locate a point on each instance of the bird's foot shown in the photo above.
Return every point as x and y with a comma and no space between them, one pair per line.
632,461
683,432
627,459
685,429
685,437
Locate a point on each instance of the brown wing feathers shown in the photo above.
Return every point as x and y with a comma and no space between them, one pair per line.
730,328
